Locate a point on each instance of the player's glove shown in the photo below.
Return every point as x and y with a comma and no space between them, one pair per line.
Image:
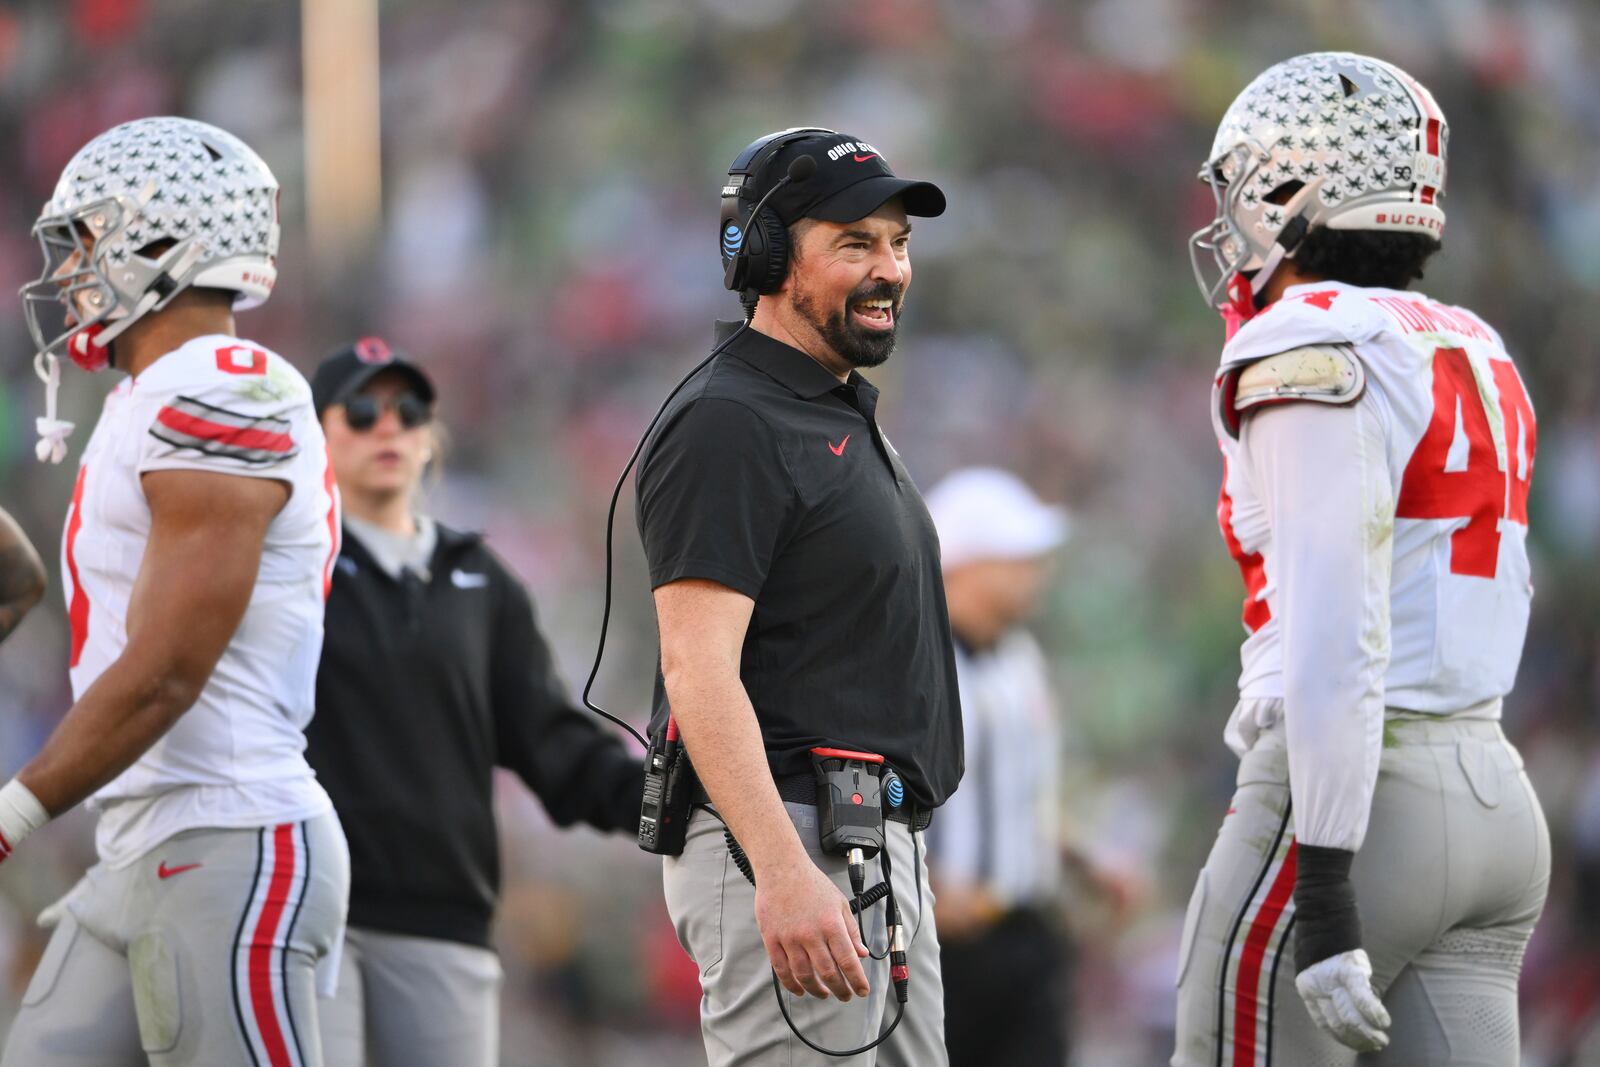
20,815
1338,994
1333,974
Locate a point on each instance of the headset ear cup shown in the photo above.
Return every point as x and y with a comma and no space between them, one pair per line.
732,237
769,265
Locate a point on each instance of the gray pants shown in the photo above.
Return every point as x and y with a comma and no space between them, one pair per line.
1450,882
713,910
202,953
413,1002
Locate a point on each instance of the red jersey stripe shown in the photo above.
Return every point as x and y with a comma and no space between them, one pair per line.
78,609
1252,567
332,488
232,436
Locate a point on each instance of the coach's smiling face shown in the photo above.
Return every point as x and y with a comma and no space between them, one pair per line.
847,282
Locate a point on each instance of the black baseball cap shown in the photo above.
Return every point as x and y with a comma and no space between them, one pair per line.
348,370
852,180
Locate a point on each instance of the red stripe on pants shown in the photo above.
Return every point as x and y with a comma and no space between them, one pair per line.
263,942
1255,953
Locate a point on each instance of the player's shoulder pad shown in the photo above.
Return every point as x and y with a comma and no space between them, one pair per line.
227,399
1327,374
1322,374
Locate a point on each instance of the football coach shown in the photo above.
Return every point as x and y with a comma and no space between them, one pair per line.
800,606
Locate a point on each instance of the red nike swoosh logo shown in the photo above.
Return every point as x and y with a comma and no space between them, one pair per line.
164,872
863,159
838,449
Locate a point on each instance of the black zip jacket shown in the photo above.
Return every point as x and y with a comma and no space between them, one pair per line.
424,689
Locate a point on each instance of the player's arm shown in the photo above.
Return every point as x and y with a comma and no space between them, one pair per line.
22,577
1322,474
804,919
579,771
207,531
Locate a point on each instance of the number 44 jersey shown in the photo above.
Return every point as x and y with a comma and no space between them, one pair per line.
1384,550
236,757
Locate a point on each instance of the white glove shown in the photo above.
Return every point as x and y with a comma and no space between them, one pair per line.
1338,994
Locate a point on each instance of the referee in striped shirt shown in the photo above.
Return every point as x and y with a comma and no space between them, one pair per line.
994,853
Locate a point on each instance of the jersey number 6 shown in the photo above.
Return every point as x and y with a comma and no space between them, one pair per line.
1456,470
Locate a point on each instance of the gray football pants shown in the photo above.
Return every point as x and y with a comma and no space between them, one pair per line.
202,953
1450,881
412,1002
713,910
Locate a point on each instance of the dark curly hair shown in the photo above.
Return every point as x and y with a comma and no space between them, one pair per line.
1365,257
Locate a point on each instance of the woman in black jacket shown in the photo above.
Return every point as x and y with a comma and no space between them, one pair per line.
433,673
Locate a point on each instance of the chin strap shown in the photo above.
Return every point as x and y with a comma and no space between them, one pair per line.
1241,305
53,432
1242,291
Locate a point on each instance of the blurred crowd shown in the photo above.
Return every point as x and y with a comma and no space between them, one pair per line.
550,173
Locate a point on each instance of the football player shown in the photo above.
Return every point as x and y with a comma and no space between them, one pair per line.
196,558
1384,859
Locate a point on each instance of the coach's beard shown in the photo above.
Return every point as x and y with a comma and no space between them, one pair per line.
857,345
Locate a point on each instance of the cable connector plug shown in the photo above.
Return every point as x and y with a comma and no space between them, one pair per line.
856,863
899,969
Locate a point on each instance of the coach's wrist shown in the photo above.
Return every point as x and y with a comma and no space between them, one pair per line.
1326,921
778,854
20,815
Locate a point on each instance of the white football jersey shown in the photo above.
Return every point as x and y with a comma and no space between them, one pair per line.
236,758
1405,523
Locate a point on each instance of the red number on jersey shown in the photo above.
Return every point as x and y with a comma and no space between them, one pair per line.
331,487
1476,490
78,609
1252,567
241,359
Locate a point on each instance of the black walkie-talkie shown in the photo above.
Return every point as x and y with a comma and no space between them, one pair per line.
668,792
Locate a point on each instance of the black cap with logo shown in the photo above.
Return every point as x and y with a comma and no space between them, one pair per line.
852,180
348,370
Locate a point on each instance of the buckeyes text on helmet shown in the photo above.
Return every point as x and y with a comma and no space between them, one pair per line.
1325,139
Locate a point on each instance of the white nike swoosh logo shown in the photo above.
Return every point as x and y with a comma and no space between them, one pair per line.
463,580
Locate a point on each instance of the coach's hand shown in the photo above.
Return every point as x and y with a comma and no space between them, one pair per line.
1338,994
809,932
1332,972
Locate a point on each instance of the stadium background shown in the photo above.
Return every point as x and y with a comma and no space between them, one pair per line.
543,239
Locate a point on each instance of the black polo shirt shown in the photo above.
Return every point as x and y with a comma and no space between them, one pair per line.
769,476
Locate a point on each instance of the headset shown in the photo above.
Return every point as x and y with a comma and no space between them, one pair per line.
767,258
755,244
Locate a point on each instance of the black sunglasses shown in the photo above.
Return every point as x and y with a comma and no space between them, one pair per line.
361,412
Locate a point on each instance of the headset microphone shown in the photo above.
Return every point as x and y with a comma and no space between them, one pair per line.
801,169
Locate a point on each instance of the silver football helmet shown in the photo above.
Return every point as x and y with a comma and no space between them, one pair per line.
174,180
1325,139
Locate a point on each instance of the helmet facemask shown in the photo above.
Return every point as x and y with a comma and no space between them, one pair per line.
101,299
